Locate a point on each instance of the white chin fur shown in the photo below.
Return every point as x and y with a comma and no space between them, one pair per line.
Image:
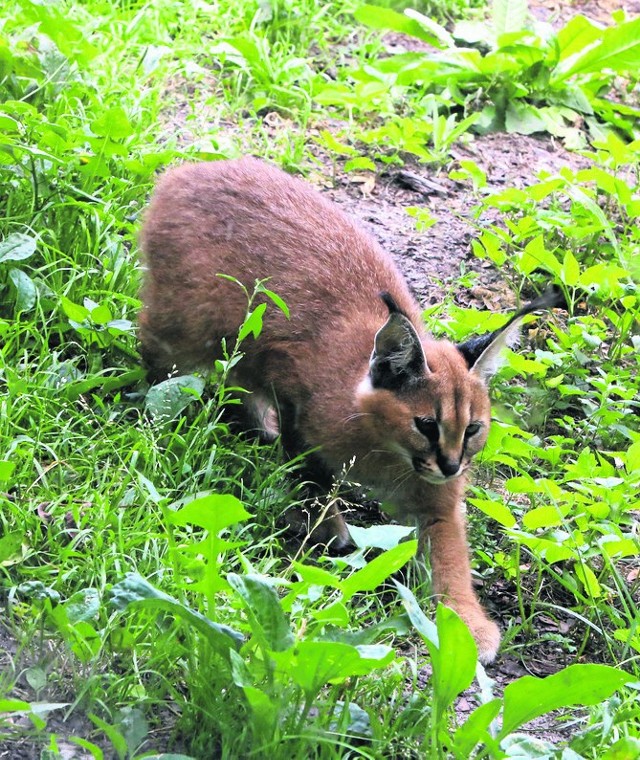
436,480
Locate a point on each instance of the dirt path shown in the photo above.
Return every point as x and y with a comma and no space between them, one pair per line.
432,260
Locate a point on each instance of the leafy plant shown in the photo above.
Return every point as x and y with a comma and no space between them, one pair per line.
18,247
281,671
520,80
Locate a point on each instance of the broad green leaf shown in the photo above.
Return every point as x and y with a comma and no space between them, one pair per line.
432,27
135,591
17,247
359,721
632,458
312,664
522,484
614,546
379,569
497,510
525,747
587,577
101,314
335,614
74,311
112,123
276,300
97,754
509,15
543,517
454,665
6,469
472,33
153,54
82,606
360,163
38,591
115,737
570,270
578,685
626,748
252,323
11,547
213,512
491,246
548,550
523,119
606,279
524,366
266,616
14,705
453,651
629,637
240,670
36,677
26,292
425,627
377,17
470,170
536,256
475,729
618,50
575,37
133,726
317,576
168,399
579,197
265,713
71,41
329,141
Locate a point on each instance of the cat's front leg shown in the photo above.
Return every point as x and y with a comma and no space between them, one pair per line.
451,577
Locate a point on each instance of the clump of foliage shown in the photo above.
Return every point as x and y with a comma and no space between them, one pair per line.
506,74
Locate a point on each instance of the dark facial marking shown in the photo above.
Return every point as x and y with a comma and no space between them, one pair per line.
428,427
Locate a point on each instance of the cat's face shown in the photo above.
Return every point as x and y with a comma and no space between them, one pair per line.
427,402
438,423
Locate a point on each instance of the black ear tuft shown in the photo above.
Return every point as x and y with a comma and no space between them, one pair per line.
552,298
482,353
390,303
472,349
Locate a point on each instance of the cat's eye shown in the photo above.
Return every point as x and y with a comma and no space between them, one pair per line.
472,429
428,427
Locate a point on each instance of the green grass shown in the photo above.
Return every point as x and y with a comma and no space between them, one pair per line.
94,487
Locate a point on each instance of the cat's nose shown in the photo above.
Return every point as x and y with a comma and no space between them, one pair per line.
448,467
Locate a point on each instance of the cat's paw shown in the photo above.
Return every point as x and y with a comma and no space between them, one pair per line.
487,637
306,524
485,632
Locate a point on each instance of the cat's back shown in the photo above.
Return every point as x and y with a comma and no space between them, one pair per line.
250,220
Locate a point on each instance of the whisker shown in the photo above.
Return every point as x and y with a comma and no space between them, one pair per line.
355,416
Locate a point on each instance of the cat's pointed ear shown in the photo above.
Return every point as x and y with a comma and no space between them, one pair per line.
483,353
398,358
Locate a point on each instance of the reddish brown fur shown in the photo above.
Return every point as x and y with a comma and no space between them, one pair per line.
251,221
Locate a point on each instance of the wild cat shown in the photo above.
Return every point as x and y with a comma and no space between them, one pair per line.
351,373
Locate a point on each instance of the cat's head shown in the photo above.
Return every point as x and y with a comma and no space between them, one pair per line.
427,399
